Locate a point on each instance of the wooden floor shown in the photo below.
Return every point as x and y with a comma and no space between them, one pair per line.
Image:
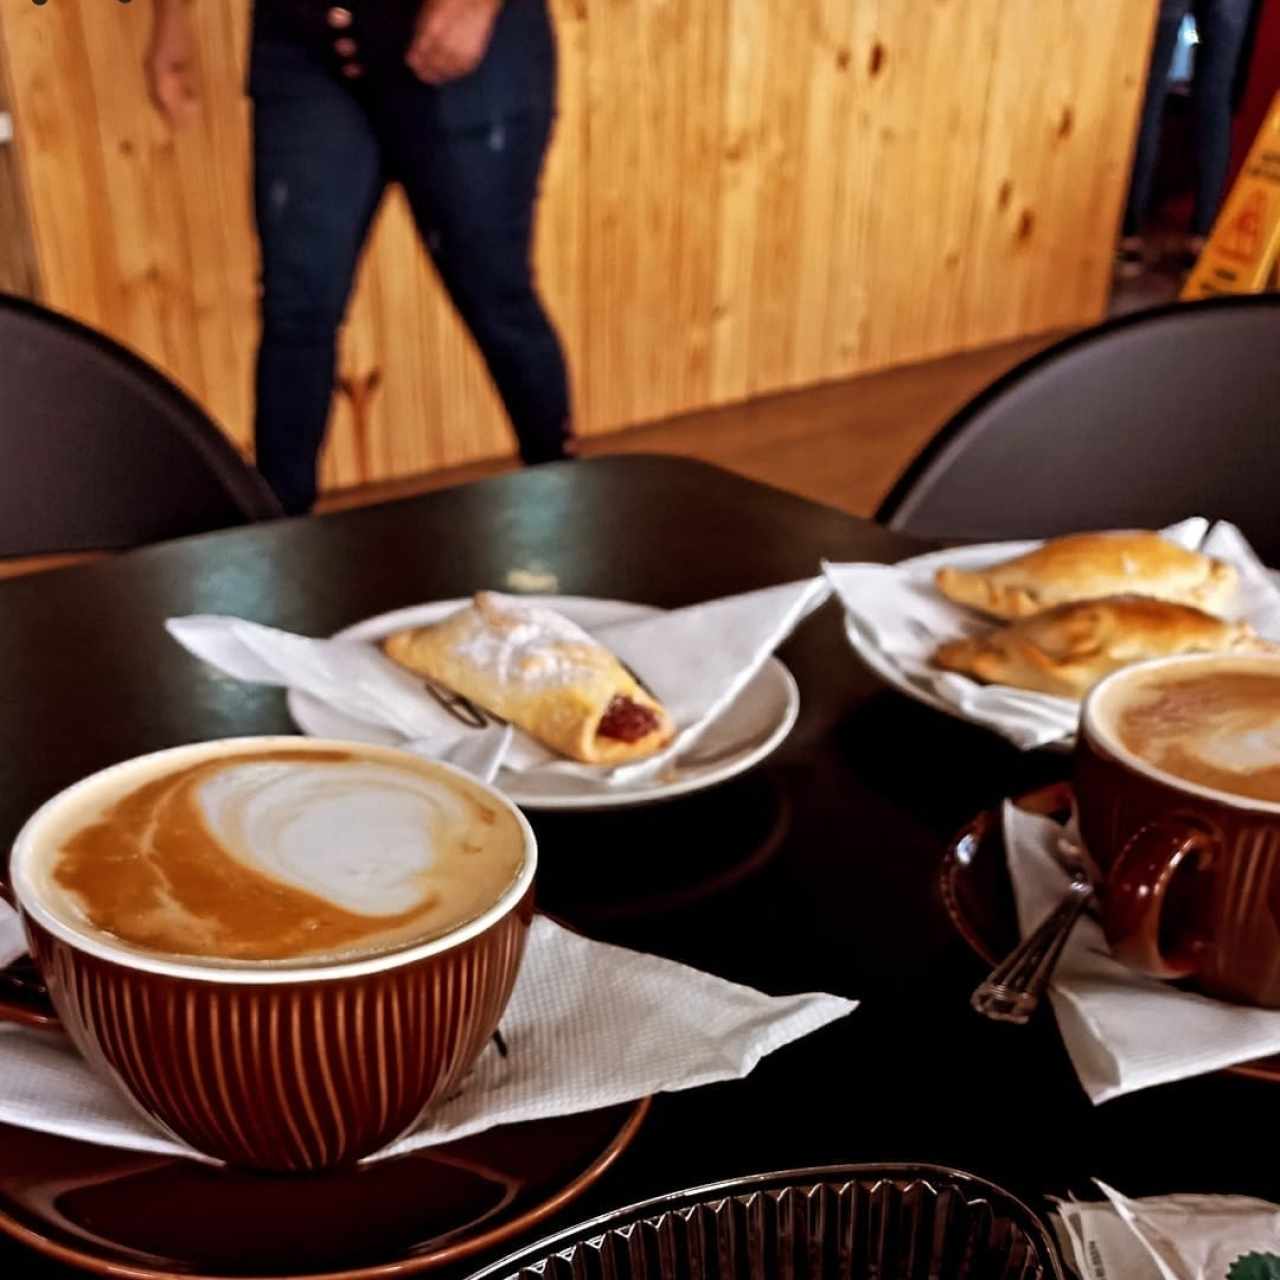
842,443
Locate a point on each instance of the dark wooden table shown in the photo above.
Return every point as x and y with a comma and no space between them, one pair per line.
864,792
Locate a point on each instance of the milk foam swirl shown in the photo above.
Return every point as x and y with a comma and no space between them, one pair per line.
1243,746
288,855
361,835
1213,723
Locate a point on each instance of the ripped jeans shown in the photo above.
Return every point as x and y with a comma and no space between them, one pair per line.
324,150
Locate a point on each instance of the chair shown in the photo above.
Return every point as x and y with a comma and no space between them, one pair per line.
1136,423
99,451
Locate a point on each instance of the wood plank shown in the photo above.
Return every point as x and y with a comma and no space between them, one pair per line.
1054,167
19,268
741,176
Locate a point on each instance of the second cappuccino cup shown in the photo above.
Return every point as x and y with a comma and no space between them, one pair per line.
1178,796
283,951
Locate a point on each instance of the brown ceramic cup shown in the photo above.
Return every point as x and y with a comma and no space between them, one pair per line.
1190,875
286,1069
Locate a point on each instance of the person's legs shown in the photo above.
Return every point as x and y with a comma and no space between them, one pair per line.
473,199
317,181
1147,150
1222,25
473,193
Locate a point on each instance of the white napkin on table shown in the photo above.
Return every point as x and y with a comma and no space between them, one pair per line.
696,660
903,615
589,1025
1124,1031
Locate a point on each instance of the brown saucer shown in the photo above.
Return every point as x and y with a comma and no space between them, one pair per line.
125,1214
974,878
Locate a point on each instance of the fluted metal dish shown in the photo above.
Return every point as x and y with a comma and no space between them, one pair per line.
839,1222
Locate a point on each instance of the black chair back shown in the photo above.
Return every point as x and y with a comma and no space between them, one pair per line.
98,450
1134,424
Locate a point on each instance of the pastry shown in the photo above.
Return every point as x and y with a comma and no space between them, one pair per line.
1087,566
1067,649
534,668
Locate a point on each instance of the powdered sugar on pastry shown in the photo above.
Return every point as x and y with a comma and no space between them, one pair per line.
526,644
542,673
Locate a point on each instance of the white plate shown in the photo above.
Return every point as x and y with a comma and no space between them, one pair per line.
978,556
1257,603
749,730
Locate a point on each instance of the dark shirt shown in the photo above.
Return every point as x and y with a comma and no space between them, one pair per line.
516,74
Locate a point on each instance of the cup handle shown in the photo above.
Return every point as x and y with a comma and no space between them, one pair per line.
24,999
1135,897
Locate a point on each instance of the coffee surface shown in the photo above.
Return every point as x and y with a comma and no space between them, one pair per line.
1219,728
286,856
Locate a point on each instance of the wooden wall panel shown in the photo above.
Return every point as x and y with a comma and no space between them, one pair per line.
19,270
742,196
146,237
1054,164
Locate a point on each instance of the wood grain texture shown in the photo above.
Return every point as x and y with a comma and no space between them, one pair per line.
741,197
19,271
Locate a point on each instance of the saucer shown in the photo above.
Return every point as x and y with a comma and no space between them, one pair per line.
978,895
121,1213
751,728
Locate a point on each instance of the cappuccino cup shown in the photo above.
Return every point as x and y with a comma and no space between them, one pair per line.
281,950
1178,795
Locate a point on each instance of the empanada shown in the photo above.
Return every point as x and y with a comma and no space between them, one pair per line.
1088,566
533,667
1068,649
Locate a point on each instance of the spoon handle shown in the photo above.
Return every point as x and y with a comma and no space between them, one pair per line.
1016,985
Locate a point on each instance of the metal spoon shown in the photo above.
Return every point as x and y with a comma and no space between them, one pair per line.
1016,986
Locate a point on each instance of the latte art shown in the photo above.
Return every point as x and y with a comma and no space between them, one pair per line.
289,855
1218,727
363,836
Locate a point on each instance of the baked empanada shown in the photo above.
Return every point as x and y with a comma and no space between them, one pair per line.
1068,649
541,672
1088,566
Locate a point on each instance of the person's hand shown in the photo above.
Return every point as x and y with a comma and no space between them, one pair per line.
170,65
451,38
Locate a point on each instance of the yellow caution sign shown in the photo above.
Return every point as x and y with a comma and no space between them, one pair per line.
1242,252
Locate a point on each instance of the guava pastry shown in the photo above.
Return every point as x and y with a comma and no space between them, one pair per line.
528,665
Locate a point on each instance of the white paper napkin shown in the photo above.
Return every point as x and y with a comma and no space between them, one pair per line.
696,660
1124,1031
903,617
12,943
589,1025
1173,1237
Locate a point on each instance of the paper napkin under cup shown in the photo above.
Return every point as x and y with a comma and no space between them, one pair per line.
589,1025
696,660
904,617
12,942
1124,1031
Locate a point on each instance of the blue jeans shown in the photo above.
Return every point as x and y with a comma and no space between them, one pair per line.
1221,25
469,160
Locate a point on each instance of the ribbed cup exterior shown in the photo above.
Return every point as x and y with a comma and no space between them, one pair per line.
289,1075
1237,895
891,1225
